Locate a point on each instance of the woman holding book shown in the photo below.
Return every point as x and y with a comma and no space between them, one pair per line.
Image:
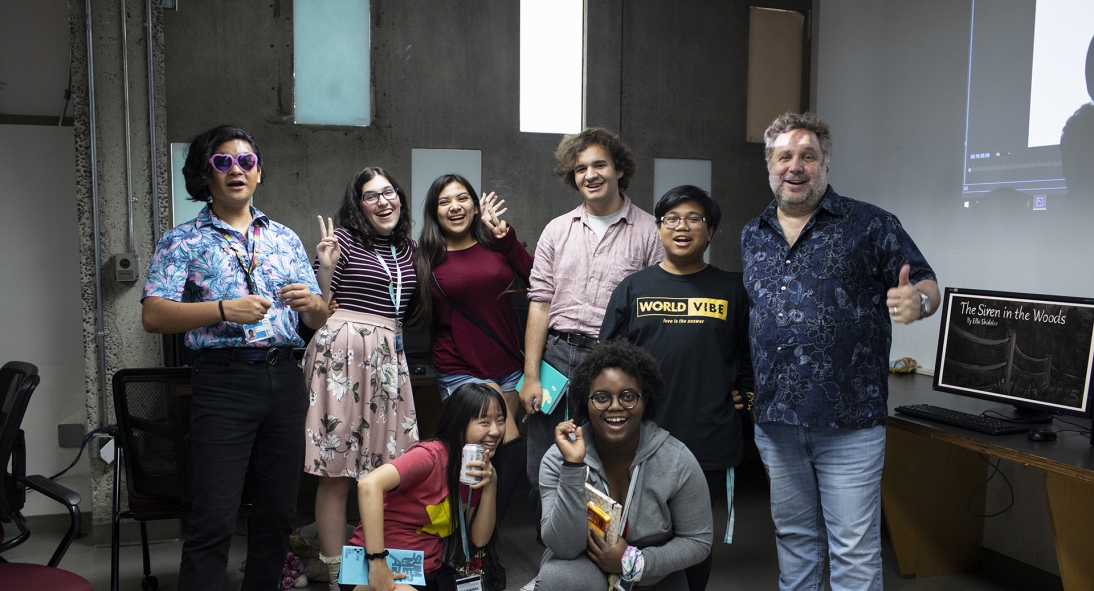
665,522
416,501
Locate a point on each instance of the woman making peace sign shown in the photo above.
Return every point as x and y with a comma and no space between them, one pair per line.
362,410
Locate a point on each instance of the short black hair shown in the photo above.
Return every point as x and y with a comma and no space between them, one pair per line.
711,211
197,171
632,359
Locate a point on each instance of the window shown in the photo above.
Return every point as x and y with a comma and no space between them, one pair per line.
331,43
775,41
552,66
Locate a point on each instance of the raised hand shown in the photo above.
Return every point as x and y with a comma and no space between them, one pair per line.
572,451
903,300
491,215
327,251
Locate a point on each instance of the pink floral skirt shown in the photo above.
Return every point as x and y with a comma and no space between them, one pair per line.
362,408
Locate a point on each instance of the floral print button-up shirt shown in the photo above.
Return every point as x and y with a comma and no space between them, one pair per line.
204,260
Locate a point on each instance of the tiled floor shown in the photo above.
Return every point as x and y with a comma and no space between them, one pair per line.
749,563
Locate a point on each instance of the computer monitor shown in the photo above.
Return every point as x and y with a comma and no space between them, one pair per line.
1033,352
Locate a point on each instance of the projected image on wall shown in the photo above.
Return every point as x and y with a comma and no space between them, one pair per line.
1031,72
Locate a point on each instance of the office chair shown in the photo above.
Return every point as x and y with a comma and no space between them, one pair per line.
152,408
17,382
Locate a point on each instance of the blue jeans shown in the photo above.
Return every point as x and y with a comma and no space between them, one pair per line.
448,382
826,503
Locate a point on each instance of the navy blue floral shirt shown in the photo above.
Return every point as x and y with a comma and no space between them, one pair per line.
819,327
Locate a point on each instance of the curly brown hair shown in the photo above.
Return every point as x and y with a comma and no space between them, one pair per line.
575,144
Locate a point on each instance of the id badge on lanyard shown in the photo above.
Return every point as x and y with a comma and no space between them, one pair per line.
263,329
470,582
395,292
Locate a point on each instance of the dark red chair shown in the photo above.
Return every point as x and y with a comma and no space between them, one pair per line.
17,382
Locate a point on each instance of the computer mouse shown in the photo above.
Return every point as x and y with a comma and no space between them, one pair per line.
1041,434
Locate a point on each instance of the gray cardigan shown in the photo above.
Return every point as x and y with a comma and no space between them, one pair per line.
670,517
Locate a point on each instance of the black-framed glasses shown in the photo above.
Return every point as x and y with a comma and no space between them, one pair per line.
601,400
371,197
672,221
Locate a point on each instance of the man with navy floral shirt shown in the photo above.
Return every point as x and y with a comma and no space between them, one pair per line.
236,283
826,276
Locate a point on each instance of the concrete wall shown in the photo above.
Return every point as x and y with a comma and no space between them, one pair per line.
125,343
668,76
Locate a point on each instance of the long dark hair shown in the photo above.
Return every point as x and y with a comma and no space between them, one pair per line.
351,218
469,402
432,244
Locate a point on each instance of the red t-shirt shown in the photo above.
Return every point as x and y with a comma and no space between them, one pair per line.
416,513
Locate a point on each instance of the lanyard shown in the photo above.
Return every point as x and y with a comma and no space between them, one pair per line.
463,523
248,270
627,502
395,284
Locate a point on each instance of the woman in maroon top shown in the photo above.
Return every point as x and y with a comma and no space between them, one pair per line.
469,261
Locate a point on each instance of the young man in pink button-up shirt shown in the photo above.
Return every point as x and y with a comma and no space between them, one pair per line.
580,258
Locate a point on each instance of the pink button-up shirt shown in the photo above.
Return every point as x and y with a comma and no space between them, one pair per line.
577,273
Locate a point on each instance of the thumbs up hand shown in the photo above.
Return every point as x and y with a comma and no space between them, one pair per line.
903,300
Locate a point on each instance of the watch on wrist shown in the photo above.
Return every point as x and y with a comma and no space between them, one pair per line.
924,305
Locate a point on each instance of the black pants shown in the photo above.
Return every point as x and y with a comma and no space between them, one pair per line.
699,574
243,413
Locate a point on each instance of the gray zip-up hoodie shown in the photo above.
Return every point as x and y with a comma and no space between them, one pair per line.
669,517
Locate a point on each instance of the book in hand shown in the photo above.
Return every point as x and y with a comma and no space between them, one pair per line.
604,514
354,569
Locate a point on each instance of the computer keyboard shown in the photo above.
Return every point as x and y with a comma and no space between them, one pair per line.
957,418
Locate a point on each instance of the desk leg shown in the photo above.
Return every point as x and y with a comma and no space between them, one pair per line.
1071,507
924,488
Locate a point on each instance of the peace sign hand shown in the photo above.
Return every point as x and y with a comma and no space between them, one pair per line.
327,251
491,215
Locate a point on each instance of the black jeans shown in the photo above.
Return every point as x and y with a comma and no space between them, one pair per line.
243,413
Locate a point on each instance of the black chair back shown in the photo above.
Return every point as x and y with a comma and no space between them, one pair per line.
17,382
152,408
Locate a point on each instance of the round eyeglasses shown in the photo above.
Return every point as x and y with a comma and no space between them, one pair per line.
672,221
601,400
370,197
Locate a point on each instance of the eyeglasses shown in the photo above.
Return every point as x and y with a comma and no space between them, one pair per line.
628,399
370,197
672,221
222,163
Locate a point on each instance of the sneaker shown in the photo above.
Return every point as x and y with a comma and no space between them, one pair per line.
530,585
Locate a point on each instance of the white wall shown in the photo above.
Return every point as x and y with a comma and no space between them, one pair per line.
40,321
892,80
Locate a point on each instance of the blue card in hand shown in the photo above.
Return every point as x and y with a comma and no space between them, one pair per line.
354,569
